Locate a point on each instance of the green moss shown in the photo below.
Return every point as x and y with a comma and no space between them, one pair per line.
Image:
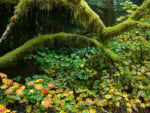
12,57
120,28
81,11
114,57
107,52
144,9
75,1
9,1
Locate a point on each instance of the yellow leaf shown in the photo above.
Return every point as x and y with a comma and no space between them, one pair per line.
92,111
118,93
39,80
125,94
128,104
2,75
19,92
38,86
117,104
9,91
119,98
85,90
108,96
46,102
4,86
85,111
134,107
62,111
129,110
102,102
137,101
111,91
7,81
143,105
31,91
15,85
89,101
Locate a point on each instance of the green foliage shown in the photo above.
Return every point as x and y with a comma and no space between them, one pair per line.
67,66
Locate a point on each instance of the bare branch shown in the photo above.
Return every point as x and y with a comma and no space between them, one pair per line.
6,31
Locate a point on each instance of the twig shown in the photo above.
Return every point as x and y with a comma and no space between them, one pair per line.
6,31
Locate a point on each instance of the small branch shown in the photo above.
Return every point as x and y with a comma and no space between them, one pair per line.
6,31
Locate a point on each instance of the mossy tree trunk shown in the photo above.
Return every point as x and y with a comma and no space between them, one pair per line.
82,14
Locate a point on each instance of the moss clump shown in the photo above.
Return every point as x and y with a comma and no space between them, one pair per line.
114,57
13,19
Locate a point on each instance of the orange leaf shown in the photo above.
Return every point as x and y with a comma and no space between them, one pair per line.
9,91
2,108
4,86
7,81
45,91
2,75
20,90
15,85
46,103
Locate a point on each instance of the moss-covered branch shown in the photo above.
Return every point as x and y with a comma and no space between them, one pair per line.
81,11
110,54
86,16
60,38
122,27
9,1
19,53
144,9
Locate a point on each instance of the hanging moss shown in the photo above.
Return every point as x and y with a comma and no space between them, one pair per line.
80,10
84,15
